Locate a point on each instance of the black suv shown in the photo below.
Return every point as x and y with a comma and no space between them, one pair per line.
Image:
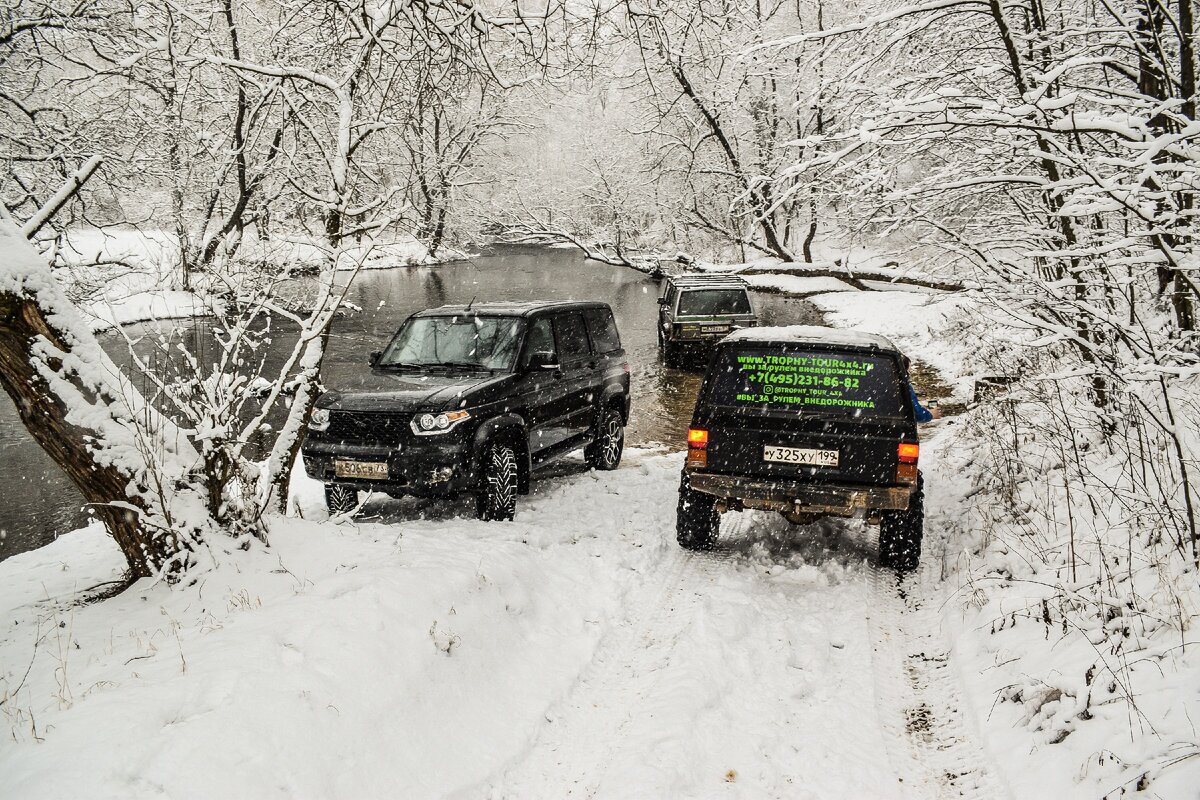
472,399
698,310
810,422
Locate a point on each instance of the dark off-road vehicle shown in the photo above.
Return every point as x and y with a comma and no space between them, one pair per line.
696,311
810,422
473,399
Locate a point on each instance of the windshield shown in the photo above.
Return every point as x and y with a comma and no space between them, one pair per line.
710,302
464,340
808,382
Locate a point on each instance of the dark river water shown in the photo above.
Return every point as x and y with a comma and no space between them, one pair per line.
37,503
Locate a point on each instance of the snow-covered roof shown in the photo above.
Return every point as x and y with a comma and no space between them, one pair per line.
706,280
812,334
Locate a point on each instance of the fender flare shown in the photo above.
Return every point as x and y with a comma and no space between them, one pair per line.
614,392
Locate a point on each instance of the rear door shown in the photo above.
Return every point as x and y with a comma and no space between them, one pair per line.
579,370
823,415
609,376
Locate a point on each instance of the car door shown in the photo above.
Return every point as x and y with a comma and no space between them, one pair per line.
543,393
611,376
579,372
664,313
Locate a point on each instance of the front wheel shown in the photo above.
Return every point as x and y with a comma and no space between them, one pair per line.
497,499
901,532
605,450
340,499
672,354
696,520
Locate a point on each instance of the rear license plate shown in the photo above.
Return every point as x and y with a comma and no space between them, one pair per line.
366,470
801,456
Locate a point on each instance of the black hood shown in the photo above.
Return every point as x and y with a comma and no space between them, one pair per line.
415,391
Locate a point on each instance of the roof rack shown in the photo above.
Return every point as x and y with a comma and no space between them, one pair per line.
706,279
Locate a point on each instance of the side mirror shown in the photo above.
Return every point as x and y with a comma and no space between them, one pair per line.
662,301
374,358
542,360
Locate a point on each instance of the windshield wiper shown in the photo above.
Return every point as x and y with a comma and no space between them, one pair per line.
460,365
402,365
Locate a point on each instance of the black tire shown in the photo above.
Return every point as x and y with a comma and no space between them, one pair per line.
340,499
497,497
900,533
605,450
672,354
697,521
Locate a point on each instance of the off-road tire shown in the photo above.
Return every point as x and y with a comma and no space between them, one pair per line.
672,354
605,450
497,497
340,499
697,521
900,533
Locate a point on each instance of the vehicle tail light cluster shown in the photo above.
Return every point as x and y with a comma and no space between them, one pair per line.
907,454
697,447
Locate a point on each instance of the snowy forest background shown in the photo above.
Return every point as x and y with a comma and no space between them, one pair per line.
1038,157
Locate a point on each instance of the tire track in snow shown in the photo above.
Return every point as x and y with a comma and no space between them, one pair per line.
931,743
570,756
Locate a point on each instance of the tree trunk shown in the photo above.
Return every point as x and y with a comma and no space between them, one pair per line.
291,437
22,322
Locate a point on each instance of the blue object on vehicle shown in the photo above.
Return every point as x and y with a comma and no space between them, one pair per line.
923,414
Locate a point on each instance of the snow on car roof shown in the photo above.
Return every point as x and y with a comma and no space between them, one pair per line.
812,334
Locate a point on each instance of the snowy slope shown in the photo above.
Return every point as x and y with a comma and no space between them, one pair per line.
575,652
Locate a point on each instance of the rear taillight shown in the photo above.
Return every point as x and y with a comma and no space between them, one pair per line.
697,447
906,470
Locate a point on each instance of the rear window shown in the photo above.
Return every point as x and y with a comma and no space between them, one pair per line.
602,329
809,382
710,302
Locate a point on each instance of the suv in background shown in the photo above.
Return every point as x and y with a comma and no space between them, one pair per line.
698,310
810,422
473,399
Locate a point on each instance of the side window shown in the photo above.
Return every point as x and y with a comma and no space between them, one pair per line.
603,330
671,293
540,339
572,337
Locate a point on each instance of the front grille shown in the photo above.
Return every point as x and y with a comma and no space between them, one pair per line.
358,426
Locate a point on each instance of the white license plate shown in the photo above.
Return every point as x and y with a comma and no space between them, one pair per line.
801,456
367,470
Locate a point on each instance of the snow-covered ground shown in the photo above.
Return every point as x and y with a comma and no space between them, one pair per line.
415,653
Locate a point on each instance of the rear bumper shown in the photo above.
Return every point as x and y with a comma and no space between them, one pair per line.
704,333
796,496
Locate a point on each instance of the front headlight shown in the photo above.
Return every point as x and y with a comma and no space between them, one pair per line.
319,420
428,424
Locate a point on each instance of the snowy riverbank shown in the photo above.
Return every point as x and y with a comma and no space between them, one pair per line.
127,275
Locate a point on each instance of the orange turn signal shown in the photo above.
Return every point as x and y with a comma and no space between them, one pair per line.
697,437
908,452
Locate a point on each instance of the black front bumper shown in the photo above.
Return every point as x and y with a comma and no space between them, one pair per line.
423,469
797,496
